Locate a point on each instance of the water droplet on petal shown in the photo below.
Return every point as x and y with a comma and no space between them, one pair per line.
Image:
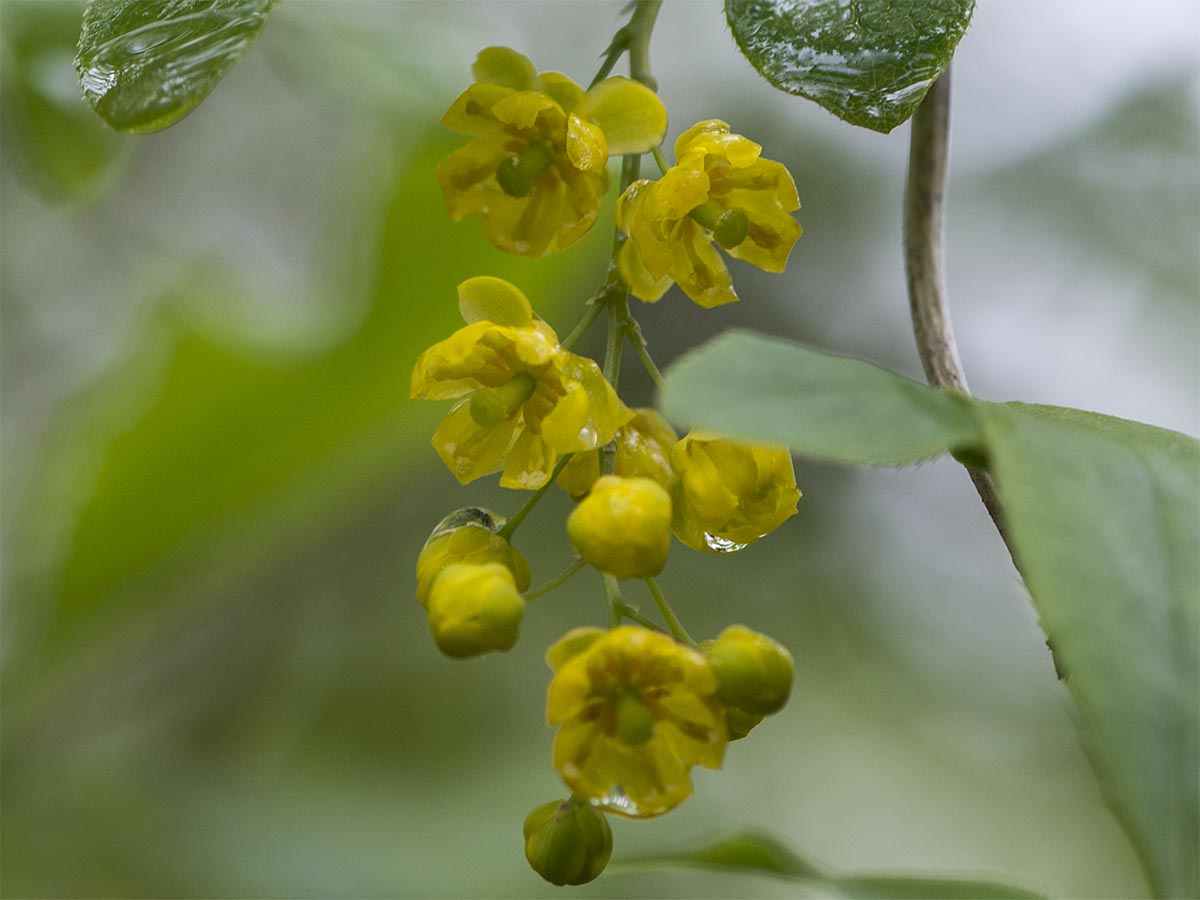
722,545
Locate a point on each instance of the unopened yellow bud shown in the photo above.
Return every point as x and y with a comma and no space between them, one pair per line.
754,672
623,527
474,609
568,842
468,536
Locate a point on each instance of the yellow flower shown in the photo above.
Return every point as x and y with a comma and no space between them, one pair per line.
468,536
537,167
719,189
474,609
728,494
643,450
637,710
623,527
525,400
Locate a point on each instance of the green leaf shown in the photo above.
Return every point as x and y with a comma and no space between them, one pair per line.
868,62
145,64
821,405
1105,518
758,852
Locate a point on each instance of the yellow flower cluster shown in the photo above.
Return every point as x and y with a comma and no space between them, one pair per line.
537,168
636,707
719,190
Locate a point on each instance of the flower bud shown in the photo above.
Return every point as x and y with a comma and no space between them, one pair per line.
623,527
728,494
568,842
468,536
754,672
643,450
474,608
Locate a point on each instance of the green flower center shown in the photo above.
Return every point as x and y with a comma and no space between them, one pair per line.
516,173
491,406
635,721
728,225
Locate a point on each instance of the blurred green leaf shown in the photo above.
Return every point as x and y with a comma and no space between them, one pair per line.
229,433
756,851
59,144
1105,519
869,62
1105,516
145,64
822,405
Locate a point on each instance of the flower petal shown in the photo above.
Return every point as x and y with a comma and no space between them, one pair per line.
471,112
504,66
713,138
633,271
564,90
467,177
698,269
586,146
529,463
521,109
490,299
771,234
468,449
632,117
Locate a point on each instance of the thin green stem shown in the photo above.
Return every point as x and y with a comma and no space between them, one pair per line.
593,310
640,26
518,517
633,331
660,160
668,614
561,578
634,615
634,38
612,593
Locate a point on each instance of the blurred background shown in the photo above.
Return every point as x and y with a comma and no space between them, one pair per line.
216,681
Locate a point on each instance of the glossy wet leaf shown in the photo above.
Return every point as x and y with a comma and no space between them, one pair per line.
145,64
868,62
1105,515
822,405
754,851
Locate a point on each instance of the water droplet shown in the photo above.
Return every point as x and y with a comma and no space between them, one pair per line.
722,545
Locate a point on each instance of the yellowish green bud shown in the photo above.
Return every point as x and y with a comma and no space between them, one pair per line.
474,609
567,842
468,536
754,672
623,527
